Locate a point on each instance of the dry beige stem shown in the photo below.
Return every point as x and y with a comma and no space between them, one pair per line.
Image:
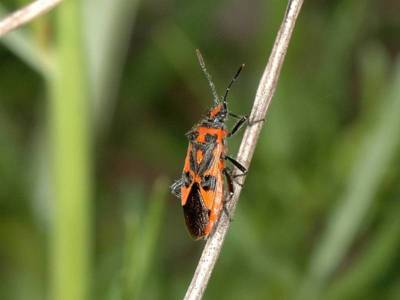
265,91
26,14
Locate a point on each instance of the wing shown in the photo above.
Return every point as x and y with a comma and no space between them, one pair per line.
196,213
188,175
212,180
203,165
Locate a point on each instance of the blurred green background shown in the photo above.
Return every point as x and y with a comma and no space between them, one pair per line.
95,99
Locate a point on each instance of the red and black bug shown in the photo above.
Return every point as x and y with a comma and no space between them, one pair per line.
201,188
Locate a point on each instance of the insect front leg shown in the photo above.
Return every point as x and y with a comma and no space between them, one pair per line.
239,124
176,188
241,121
251,123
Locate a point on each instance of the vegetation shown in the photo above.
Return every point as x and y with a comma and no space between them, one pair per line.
95,98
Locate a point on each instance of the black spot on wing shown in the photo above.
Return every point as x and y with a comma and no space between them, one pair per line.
187,179
208,182
195,212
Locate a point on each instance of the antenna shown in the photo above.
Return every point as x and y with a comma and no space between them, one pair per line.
231,83
208,76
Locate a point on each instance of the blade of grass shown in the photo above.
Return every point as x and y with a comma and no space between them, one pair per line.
376,152
141,245
70,142
22,45
373,264
107,33
26,14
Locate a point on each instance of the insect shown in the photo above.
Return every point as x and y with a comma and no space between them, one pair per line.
201,187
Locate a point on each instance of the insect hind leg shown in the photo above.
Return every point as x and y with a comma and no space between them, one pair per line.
236,163
231,190
232,177
229,180
226,212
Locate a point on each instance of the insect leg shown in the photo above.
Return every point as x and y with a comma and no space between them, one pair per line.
229,180
176,188
251,123
234,176
242,120
231,190
231,114
236,164
239,124
225,210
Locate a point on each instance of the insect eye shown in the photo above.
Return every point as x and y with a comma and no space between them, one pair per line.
187,179
192,135
208,182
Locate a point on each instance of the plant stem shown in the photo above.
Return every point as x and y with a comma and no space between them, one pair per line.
69,129
262,100
26,14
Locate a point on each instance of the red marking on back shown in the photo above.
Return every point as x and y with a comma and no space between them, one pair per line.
203,131
213,200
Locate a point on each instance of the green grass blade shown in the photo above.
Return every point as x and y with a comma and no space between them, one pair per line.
141,244
21,43
69,129
374,262
375,154
107,36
